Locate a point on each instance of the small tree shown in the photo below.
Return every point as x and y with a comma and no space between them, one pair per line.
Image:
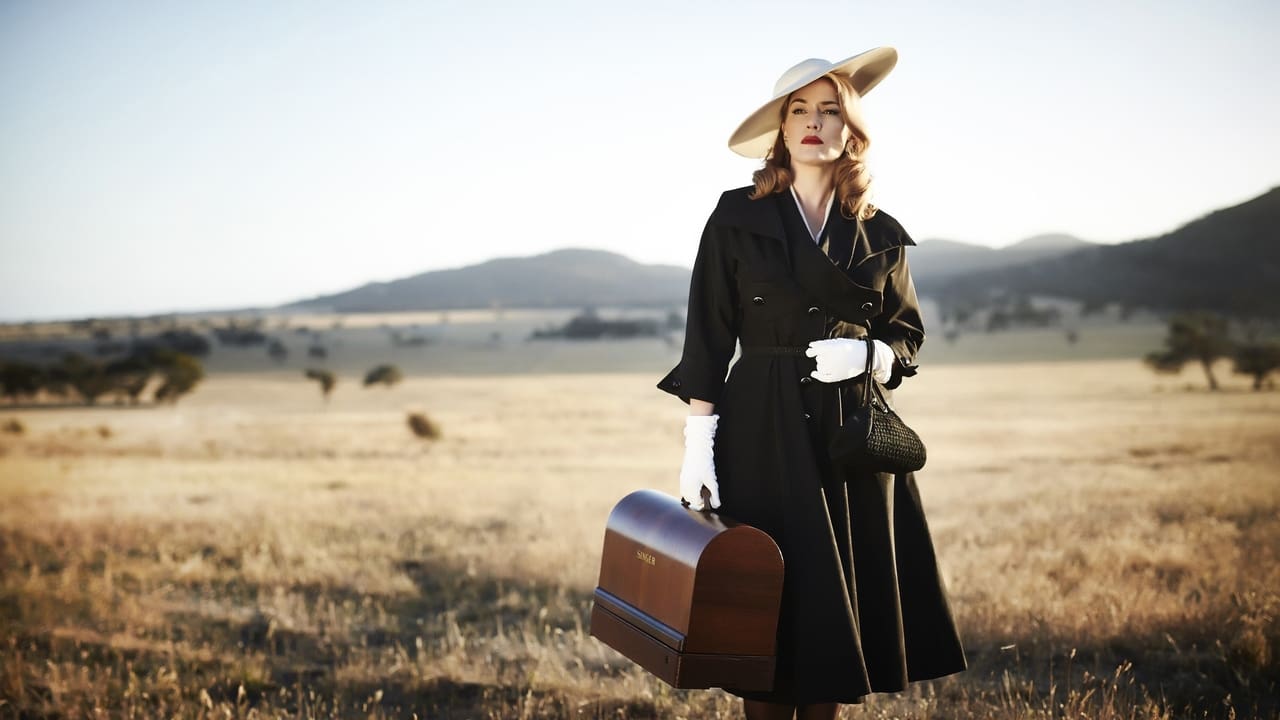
1258,360
87,377
129,376
20,379
383,374
1198,337
56,381
179,374
326,379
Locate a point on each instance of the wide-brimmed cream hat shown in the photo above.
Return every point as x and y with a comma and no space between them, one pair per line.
755,135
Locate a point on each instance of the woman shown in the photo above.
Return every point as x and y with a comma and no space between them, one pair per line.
799,268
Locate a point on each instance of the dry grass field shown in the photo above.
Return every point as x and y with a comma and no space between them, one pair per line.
1110,538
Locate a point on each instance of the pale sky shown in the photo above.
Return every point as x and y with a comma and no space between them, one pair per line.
167,156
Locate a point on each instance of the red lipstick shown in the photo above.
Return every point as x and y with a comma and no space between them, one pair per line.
811,140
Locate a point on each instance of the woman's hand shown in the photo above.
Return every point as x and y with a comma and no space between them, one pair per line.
843,358
699,468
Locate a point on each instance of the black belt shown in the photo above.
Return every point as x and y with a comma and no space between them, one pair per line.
774,349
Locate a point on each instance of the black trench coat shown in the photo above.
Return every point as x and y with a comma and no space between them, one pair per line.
863,607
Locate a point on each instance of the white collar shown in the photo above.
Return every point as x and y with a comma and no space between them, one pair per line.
825,213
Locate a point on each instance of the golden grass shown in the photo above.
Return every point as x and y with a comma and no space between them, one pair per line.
1110,540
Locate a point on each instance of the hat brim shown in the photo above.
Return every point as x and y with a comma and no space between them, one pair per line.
754,137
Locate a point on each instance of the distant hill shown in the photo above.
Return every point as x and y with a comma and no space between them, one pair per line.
563,278
934,260
1042,246
1227,261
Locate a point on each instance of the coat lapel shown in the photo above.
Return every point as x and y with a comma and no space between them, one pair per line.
843,242
853,243
821,268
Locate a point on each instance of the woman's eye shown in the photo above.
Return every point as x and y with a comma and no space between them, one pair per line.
831,111
797,111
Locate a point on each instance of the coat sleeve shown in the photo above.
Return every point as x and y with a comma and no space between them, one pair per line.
711,323
899,324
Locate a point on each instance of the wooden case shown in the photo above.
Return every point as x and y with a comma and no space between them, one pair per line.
691,597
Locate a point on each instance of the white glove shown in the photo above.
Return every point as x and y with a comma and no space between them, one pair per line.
844,358
699,467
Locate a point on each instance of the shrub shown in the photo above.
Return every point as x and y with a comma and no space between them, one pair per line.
326,379
1258,360
179,373
56,381
88,377
20,379
129,376
383,374
423,426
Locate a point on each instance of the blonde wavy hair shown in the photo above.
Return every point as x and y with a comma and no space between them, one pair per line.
852,178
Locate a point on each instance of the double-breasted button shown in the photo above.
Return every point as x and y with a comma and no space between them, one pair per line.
757,300
807,416
815,310
867,306
806,380
676,384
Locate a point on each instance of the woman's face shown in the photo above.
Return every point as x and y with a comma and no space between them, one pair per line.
813,128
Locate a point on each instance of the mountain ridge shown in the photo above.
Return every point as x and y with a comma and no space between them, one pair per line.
1196,266
1225,261
938,258
566,277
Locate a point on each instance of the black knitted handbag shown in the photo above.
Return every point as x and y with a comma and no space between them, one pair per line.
873,437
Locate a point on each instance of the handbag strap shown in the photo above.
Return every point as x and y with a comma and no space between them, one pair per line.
868,380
